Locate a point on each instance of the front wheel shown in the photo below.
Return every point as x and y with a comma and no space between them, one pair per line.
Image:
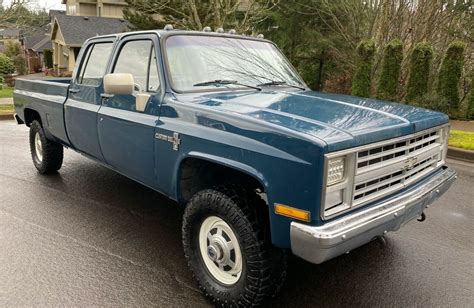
47,155
226,250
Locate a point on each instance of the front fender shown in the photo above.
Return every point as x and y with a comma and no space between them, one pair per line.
288,165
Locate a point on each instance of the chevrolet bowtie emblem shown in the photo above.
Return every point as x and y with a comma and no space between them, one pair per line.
410,163
175,140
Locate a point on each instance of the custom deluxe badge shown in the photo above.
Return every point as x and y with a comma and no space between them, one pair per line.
175,140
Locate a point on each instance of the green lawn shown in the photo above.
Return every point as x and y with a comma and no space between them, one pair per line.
6,92
461,139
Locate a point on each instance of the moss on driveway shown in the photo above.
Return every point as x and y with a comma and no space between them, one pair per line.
6,109
461,139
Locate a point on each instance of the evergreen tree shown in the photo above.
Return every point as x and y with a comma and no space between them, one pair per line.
392,59
362,78
420,65
450,74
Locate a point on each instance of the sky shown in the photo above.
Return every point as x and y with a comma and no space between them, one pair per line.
42,4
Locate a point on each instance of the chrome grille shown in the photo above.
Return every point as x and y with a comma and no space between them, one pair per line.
391,151
388,167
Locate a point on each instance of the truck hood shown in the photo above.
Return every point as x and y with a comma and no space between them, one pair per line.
340,121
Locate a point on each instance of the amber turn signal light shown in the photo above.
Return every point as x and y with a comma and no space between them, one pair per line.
291,212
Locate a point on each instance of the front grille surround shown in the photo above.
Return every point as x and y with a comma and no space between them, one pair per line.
383,168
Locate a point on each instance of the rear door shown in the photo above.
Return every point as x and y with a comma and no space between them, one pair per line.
80,110
126,134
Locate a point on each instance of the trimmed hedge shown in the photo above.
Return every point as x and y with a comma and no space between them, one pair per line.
420,65
48,58
362,78
6,65
21,65
450,74
392,59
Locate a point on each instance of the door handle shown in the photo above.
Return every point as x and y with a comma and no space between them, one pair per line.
74,91
106,95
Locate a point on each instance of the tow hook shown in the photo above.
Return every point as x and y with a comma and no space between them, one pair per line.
422,217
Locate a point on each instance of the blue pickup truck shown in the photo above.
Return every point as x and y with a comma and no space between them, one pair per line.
222,124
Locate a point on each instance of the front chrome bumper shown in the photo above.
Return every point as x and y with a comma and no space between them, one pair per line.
317,244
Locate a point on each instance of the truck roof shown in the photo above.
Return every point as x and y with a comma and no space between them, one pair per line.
165,33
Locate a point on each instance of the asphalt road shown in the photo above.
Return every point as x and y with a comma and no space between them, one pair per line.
88,236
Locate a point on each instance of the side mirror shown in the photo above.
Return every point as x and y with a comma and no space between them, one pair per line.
141,101
119,83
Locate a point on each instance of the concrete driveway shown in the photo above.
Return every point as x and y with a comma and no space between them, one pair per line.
88,236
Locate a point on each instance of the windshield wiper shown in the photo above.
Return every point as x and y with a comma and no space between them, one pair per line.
280,83
224,82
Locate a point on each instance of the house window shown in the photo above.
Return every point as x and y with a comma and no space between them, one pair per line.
71,9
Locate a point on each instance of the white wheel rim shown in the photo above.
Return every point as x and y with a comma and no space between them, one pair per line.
220,250
38,147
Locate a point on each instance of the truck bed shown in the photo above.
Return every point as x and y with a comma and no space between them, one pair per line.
46,97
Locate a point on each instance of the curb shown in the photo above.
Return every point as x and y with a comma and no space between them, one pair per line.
461,154
7,117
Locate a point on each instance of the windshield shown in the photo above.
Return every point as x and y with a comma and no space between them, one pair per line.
195,61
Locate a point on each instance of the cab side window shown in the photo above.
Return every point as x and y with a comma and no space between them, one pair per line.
94,64
139,59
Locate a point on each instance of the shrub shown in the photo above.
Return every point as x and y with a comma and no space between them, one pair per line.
12,49
450,74
6,65
20,64
48,58
362,78
470,99
420,64
392,59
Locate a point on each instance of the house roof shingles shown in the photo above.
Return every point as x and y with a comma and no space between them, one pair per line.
10,32
45,43
77,29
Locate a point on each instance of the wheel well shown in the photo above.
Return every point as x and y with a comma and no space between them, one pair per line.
199,174
31,115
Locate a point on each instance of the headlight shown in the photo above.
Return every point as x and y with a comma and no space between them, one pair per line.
339,181
336,170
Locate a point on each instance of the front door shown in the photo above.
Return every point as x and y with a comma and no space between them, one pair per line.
126,131
83,103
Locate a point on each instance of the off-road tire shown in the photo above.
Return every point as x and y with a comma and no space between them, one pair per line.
263,266
52,152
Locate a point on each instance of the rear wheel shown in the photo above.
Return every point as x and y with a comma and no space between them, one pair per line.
226,249
47,155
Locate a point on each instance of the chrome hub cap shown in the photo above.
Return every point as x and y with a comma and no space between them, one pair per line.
220,250
38,147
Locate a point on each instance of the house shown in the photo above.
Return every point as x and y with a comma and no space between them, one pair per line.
9,35
35,42
83,19
100,8
69,32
